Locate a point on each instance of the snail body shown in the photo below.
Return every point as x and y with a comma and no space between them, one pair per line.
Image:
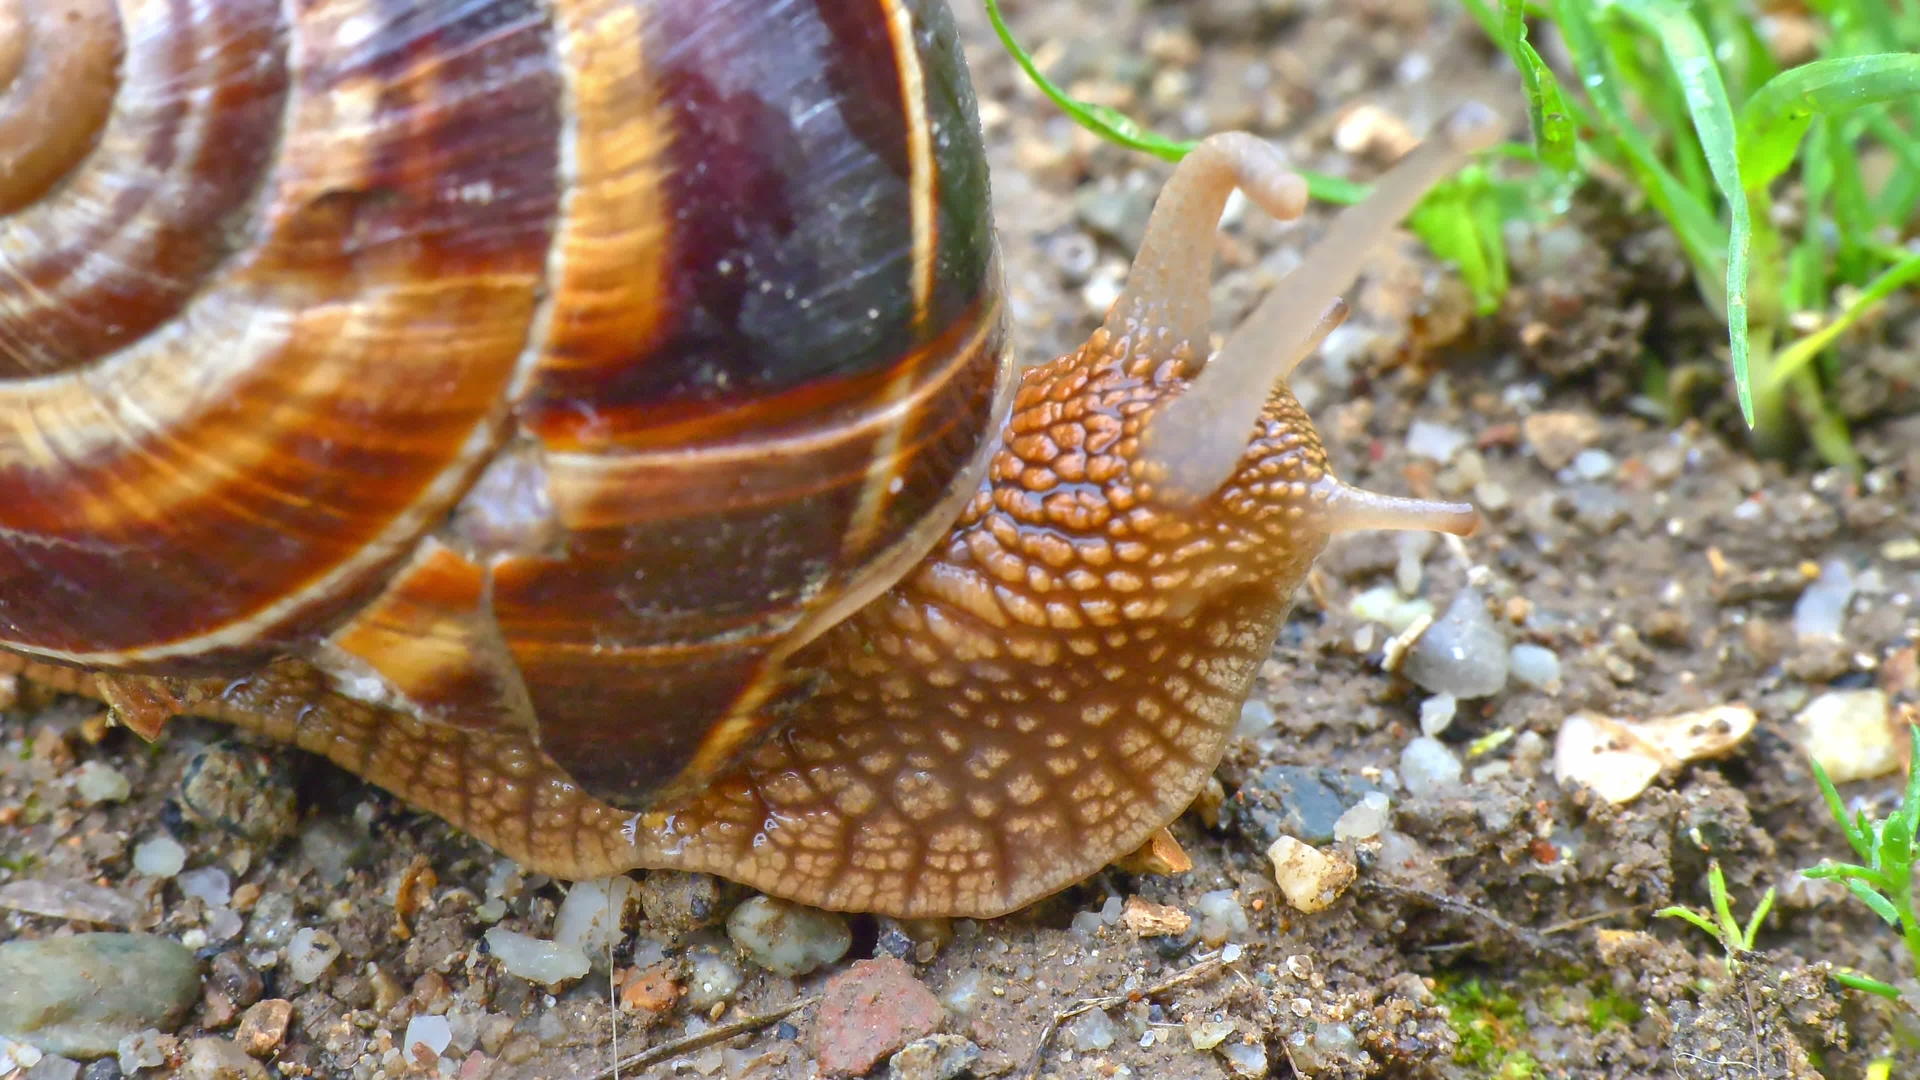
592,421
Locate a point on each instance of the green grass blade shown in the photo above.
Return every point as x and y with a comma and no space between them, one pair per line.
1855,981
1691,58
1881,906
1548,115
1759,916
1691,916
1861,843
1694,224
1802,352
1774,119
1109,123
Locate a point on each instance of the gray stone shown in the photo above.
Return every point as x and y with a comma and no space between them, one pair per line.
81,995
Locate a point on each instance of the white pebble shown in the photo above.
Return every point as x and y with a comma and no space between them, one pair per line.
1436,713
1207,1034
141,1050
1244,1058
1821,611
310,953
433,1032
589,918
1534,665
1437,441
1593,464
788,939
1110,911
159,856
1256,718
1086,924
712,977
1462,653
1310,879
535,960
1221,917
97,782
1365,819
1091,1030
1849,734
210,883
1427,767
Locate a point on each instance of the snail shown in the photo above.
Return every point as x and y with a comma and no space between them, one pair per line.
593,421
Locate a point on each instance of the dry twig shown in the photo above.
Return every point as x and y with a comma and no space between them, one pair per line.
1204,966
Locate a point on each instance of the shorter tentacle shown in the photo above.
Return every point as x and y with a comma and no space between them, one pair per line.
1167,285
1199,437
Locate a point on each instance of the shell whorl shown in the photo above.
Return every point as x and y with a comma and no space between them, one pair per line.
259,334
512,359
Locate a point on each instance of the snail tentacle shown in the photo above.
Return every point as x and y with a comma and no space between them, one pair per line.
1199,437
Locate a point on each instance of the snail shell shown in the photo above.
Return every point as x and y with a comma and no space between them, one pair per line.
591,420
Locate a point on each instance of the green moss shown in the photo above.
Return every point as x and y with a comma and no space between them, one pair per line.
1491,1028
1608,1008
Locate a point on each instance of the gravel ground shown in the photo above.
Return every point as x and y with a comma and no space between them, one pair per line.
1500,922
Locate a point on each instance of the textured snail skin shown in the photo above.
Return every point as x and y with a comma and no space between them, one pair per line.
1049,686
458,428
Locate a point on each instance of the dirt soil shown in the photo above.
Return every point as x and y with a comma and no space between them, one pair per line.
1501,926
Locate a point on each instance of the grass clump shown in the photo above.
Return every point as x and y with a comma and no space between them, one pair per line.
1687,104
1735,938
1684,103
1883,879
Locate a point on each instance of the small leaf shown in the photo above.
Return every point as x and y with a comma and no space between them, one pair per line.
1775,118
1759,916
1881,906
1856,981
1691,916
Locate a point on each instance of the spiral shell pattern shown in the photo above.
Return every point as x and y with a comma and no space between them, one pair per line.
552,363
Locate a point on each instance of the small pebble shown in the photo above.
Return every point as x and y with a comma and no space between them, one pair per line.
1436,441
1557,437
712,977
1849,733
936,1057
264,1026
1256,719
1247,1059
1365,819
1147,919
431,1031
1310,879
1220,917
536,960
212,1058
1092,1030
1427,767
159,856
212,885
54,1067
589,918
1593,464
98,782
1821,611
244,790
788,939
1436,713
1462,653
868,1012
310,953
80,995
1207,1034
144,1050
1533,665
76,901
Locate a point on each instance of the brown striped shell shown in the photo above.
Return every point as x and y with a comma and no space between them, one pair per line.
590,419
656,329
